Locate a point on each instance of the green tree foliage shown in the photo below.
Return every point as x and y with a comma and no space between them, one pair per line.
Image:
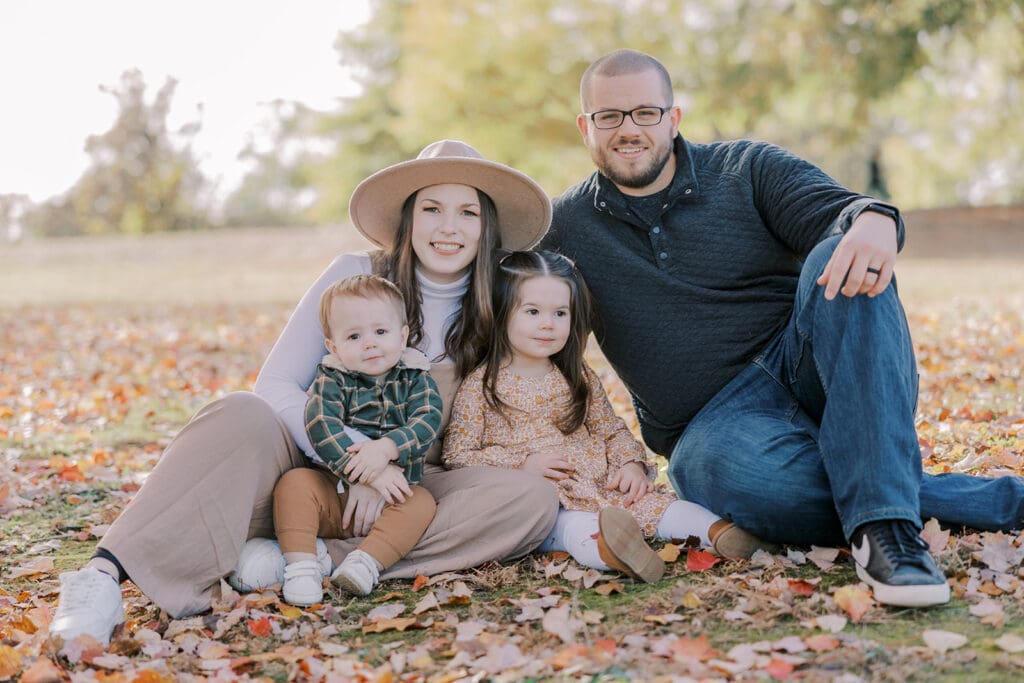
142,177
861,87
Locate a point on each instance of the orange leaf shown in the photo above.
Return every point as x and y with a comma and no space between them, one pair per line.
260,627
10,662
566,656
151,676
397,624
419,582
856,601
821,643
609,588
72,473
687,648
779,669
605,645
698,560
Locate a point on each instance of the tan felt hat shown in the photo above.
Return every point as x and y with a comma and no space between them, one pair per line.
524,210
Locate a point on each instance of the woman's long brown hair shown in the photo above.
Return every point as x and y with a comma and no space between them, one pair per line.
512,271
466,340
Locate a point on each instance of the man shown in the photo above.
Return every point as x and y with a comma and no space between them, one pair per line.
743,297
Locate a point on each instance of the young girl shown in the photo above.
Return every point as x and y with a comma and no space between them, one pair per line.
536,405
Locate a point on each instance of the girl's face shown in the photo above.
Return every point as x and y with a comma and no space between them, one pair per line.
538,325
446,228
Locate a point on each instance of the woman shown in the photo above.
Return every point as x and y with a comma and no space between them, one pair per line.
438,219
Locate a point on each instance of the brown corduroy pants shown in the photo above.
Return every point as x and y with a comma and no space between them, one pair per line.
307,505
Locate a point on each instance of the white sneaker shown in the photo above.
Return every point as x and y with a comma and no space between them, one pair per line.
90,603
261,564
357,573
303,583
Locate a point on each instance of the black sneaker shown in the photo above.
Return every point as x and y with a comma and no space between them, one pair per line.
892,558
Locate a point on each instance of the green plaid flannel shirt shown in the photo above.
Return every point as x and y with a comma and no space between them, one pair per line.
404,405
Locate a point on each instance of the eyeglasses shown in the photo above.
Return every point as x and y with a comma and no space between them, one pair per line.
613,118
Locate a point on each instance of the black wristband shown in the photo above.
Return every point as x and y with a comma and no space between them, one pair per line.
884,209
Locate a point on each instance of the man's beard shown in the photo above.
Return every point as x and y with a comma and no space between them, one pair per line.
640,178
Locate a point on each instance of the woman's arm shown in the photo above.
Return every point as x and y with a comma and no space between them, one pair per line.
291,364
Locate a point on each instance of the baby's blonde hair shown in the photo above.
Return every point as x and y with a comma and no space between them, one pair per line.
360,287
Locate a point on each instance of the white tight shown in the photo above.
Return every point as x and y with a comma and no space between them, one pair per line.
575,531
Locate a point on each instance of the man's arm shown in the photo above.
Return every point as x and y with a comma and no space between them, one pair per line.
802,205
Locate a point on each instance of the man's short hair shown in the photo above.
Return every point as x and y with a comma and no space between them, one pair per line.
623,62
360,287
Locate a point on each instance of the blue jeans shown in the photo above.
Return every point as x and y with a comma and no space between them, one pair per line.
816,436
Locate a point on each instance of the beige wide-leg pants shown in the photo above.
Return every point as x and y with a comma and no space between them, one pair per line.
212,490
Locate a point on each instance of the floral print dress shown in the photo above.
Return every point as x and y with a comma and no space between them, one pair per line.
478,435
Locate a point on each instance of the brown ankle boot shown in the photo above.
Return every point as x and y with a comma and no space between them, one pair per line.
733,543
621,545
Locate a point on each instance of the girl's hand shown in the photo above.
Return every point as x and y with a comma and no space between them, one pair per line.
630,479
392,485
548,464
369,459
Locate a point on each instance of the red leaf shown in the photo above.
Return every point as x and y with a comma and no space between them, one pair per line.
801,587
698,560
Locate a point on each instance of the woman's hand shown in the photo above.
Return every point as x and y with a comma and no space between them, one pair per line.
362,509
549,464
632,480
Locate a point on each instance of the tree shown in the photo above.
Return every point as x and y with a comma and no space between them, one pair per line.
142,178
844,84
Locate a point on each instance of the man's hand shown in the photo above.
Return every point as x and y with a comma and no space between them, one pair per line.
392,485
369,458
632,480
869,244
549,464
362,509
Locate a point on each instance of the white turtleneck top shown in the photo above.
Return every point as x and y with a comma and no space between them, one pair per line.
291,365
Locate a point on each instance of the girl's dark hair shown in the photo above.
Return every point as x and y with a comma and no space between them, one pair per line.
513,269
469,333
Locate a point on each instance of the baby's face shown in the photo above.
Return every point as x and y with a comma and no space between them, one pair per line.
367,335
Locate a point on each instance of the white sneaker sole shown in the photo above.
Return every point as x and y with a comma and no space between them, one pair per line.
924,595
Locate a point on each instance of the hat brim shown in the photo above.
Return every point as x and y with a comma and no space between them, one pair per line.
524,210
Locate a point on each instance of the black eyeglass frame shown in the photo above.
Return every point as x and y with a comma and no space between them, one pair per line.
623,114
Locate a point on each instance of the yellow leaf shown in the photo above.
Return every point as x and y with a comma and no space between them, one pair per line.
289,612
690,600
854,600
669,553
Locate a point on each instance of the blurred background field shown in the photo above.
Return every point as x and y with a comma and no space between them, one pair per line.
963,254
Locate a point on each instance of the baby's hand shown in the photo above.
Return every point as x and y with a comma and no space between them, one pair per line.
630,479
549,464
369,458
392,485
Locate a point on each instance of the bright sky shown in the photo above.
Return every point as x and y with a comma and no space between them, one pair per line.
234,58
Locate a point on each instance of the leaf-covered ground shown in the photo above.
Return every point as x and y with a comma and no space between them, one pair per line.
89,395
